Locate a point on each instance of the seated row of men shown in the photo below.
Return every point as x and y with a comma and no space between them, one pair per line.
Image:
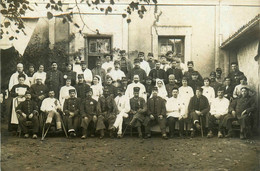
136,112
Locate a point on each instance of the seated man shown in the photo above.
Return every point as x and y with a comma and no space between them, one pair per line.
136,83
39,91
157,72
156,112
28,111
240,109
122,103
175,112
88,112
51,106
218,109
198,107
71,108
107,111
137,111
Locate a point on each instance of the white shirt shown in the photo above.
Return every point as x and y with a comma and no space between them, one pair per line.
14,80
42,75
97,91
122,103
219,106
145,66
174,107
48,105
185,93
165,67
209,92
64,93
77,68
183,67
117,74
130,90
107,65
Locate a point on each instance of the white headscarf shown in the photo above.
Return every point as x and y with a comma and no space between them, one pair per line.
99,78
161,90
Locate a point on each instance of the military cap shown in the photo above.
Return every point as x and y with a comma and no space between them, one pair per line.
124,79
184,78
150,54
243,78
122,51
88,90
136,89
219,70
149,78
190,62
246,88
81,76
27,92
213,73
175,88
195,73
82,62
221,88
72,91
136,60
116,62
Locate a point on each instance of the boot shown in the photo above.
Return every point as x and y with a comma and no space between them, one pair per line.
140,135
102,134
210,134
84,133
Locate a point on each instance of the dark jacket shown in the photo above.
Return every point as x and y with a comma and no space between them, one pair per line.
88,107
82,89
72,105
176,72
70,74
106,106
137,71
156,106
160,73
27,107
38,90
201,104
241,104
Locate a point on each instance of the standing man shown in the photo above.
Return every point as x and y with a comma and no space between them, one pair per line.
71,109
172,84
107,112
235,72
228,89
125,63
137,71
214,83
156,114
14,78
176,72
198,107
150,60
76,65
69,74
188,74
28,111
144,64
116,73
88,77
30,73
88,112
218,110
54,79
98,70
195,81
108,65
157,72
219,78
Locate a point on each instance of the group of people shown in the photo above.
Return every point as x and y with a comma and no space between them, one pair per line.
163,92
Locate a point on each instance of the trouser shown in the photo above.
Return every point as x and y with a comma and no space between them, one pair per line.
156,120
35,121
110,119
243,122
73,123
119,121
57,116
172,122
196,118
85,124
213,122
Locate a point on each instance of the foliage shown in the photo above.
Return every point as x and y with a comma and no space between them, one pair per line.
14,10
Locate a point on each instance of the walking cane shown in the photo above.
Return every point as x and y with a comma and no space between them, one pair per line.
125,130
201,127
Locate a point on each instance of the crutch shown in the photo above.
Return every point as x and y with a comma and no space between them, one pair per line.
201,127
44,134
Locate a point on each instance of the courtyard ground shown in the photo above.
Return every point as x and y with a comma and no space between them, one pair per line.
129,153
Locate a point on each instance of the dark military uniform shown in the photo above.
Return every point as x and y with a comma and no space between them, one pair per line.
107,111
239,105
72,105
54,81
156,107
88,109
234,74
70,74
194,84
112,89
137,111
125,65
28,107
177,73
38,90
82,89
158,73
188,74
169,87
137,71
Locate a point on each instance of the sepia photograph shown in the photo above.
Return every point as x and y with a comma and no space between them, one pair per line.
130,85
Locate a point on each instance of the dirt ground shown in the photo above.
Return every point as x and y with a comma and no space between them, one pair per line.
129,153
